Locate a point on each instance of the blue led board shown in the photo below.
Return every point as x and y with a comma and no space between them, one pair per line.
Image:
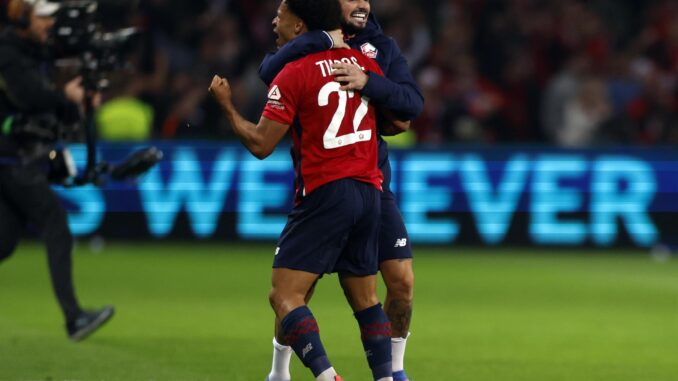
481,195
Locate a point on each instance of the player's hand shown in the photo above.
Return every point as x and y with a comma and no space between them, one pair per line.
350,76
221,91
338,39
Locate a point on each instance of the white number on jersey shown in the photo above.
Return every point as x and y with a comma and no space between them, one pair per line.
330,139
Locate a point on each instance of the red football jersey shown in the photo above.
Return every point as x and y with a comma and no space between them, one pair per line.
334,132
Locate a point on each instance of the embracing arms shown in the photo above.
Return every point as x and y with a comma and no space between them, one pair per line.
260,139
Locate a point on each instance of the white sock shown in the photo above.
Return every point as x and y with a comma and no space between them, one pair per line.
327,375
398,352
280,370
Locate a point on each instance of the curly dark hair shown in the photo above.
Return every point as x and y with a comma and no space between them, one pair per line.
317,14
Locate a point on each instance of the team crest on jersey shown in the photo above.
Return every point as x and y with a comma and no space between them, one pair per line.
369,50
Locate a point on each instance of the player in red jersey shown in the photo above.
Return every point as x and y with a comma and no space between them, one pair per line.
336,139
397,92
334,224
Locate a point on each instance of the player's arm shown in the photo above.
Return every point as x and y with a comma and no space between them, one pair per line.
353,78
390,124
396,91
260,139
310,42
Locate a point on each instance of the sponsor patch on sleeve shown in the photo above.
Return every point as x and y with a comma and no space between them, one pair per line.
274,96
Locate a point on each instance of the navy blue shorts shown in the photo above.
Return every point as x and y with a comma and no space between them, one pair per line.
394,243
333,229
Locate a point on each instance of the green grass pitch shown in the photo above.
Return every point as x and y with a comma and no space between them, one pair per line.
200,312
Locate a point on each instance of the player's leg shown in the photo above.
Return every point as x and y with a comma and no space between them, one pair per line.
399,280
278,328
282,353
310,243
357,269
395,257
299,327
375,329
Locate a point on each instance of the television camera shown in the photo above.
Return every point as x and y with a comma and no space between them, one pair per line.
80,38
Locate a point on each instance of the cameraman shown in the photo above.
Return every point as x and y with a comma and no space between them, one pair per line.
26,198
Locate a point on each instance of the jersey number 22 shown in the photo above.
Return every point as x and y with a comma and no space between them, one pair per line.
330,139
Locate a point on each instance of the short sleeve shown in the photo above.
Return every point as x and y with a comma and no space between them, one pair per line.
373,66
283,96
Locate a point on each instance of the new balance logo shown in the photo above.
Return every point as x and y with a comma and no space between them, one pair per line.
401,242
307,348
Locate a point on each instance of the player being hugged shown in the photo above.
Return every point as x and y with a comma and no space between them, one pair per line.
334,225
396,94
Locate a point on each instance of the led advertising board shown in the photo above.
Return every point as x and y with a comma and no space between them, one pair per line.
480,195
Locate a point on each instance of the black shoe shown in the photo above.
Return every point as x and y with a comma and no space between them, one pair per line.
87,322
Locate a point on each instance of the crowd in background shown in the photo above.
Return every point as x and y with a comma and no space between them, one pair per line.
574,73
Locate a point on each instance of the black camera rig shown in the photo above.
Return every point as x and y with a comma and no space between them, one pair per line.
78,34
44,131
79,37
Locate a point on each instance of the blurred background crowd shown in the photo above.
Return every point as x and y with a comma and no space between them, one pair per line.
568,72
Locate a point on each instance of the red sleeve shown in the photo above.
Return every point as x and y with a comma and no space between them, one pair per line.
283,96
374,67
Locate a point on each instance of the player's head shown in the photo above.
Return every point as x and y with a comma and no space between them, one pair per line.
295,17
32,18
286,24
354,15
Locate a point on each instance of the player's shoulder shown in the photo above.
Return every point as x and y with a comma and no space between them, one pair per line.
292,71
384,41
378,47
296,63
328,57
308,71
309,60
384,45
359,58
367,59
